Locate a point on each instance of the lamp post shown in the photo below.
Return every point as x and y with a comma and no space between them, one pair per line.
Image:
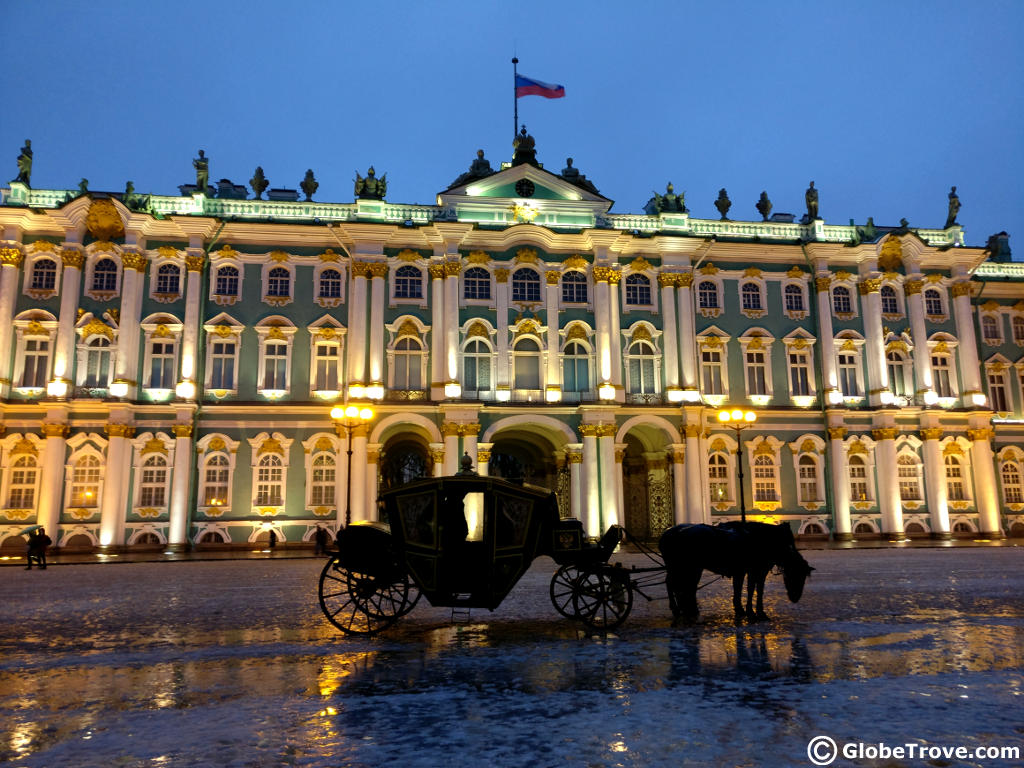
347,419
737,420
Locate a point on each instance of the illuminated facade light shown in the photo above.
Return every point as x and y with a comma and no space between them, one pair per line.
452,389
57,388
375,391
606,391
119,388
186,390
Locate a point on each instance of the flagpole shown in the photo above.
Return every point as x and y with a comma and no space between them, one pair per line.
515,99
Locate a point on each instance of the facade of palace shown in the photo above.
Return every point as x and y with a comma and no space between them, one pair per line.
168,365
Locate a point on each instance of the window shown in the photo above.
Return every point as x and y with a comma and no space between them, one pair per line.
153,487
279,281
858,471
322,487
527,364
954,479
44,275
750,297
1012,490
641,369
227,281
707,295
575,368
104,275
275,366
848,374
908,473
638,291
799,373
842,304
21,491
757,383
711,368
161,365
997,391
97,362
764,479
990,329
933,302
794,298
718,477
408,283
574,288
330,284
168,279
215,481
85,482
222,365
1017,324
807,469
269,481
327,362
890,305
476,284
37,363
525,285
476,366
408,364
941,376
896,366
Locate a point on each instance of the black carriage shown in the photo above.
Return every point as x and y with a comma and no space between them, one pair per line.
429,548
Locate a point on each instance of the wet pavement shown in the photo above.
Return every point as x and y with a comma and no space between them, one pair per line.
231,663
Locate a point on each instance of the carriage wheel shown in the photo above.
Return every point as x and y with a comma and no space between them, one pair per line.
602,599
361,603
563,587
411,600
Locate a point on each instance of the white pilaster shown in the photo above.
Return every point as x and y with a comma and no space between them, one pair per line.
194,261
116,480
437,332
357,324
552,377
611,477
842,528
970,370
575,458
71,282
591,477
378,291
889,502
874,347
828,345
935,481
452,456
502,374
678,457
616,337
687,336
126,364
11,259
372,479
986,488
919,334
670,342
341,478
184,452
602,319
695,485
359,494
451,321
51,489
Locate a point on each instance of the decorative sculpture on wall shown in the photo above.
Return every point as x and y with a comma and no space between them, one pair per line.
764,206
258,182
309,185
670,202
370,187
954,208
523,149
202,166
723,203
25,163
811,198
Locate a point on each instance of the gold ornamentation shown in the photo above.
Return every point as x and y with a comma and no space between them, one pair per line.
224,331
575,262
764,448
407,255
323,444
501,275
799,343
692,430
154,445
477,329
931,433
167,252
327,332
215,511
162,332
147,512
885,433
194,263
751,272
990,306
450,429
640,264
686,280
589,430
614,277
81,513
606,430
527,326
452,268
360,268
216,444
552,276
962,289
17,514
436,271
667,279
526,256
43,245
913,287
796,273
408,328
864,287
718,446
24,446
270,445
575,457
709,269
35,328
54,430
952,448
267,511
483,456
103,220
72,257
848,346
842,275
119,430
378,269
471,429
437,455
856,446
182,430
275,332
478,257
942,348
641,334
982,434
710,341
897,346
96,328
11,257
603,274
620,454
321,511
134,261
890,258
755,343
576,331
997,366
226,252
933,277
278,256
329,255
808,446
372,455
836,433
822,283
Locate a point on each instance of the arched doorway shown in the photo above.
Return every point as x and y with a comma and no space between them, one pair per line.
527,458
402,460
647,483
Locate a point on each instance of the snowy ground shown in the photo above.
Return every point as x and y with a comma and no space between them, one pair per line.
232,664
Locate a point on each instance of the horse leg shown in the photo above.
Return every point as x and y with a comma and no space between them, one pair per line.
751,585
760,577
737,595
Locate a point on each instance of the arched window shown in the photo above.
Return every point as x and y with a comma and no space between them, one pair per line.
36,363
476,366
640,368
990,329
476,284
575,368
574,288
527,364
227,281
718,477
954,479
890,305
44,275
279,282
153,488
933,302
808,471
897,373
269,475
707,294
638,291
1018,330
322,485
408,283
104,275
794,298
997,391
21,491
330,284
216,475
525,285
908,471
858,471
408,368
765,479
942,375
275,366
168,279
97,362
85,482
1012,491
849,383
750,297
841,301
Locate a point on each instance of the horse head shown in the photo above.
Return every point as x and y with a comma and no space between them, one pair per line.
795,570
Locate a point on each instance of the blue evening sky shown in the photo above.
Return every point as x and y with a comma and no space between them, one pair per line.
884,105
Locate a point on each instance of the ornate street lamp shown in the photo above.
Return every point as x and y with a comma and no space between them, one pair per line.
347,419
737,420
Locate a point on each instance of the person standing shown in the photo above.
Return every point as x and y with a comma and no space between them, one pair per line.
320,539
273,538
38,541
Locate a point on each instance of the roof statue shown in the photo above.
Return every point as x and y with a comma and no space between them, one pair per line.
954,209
723,204
764,206
370,187
999,246
480,168
524,151
83,187
573,176
202,166
670,202
309,185
258,182
25,163
811,198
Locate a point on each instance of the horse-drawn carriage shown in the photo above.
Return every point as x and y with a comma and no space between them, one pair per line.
464,541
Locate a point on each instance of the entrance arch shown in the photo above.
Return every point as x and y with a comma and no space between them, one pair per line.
647,476
531,451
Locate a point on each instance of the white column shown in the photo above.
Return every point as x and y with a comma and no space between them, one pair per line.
502,377
483,458
11,259
678,456
552,378
616,336
126,365
695,484
451,321
377,302
469,444
687,336
889,502
842,529
919,335
51,489
71,281
602,319
828,344
986,488
359,473
450,431
183,460
190,333
357,324
970,369
935,481
611,476
591,477
620,491
437,332
372,479
671,346
340,478
874,347
116,479
437,456
575,459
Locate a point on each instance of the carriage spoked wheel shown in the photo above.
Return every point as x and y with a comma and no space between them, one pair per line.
563,587
363,603
602,597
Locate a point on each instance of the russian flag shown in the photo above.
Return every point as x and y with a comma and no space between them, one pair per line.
526,86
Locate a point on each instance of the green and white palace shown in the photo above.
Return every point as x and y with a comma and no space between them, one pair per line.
169,364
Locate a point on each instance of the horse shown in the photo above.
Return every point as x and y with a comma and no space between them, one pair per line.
736,550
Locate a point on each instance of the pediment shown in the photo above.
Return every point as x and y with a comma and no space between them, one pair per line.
503,185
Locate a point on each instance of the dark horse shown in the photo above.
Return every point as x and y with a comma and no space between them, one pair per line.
736,550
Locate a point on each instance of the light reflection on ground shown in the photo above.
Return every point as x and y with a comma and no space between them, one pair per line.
231,663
